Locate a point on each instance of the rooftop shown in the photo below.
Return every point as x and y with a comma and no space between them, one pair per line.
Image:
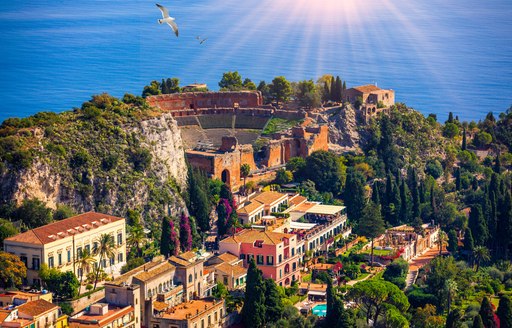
251,207
227,257
269,197
98,320
186,310
36,308
126,277
325,209
251,236
367,88
64,228
231,270
155,271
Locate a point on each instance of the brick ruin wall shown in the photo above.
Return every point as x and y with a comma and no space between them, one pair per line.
195,100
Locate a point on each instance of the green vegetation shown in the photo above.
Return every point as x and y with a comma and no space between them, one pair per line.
277,125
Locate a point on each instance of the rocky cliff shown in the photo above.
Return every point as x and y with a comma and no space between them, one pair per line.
107,162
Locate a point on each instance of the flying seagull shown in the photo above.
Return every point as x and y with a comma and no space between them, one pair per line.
167,19
201,41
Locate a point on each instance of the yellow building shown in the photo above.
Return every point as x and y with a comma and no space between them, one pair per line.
58,244
34,314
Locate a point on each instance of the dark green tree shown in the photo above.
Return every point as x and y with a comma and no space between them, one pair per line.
248,84
505,311
253,311
464,141
371,224
386,148
165,248
396,272
497,164
152,89
454,319
63,212
231,81
307,94
478,225
415,194
354,195
7,229
452,241
197,201
33,213
405,202
375,192
450,118
264,88
325,170
487,314
477,322
280,89
273,303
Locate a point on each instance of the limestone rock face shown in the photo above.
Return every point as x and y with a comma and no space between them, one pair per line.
154,190
343,129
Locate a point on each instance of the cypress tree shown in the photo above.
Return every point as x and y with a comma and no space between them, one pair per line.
405,215
450,117
487,314
336,314
497,164
333,90
354,194
454,318
422,192
458,185
415,194
505,312
452,241
469,243
339,87
478,225
165,249
477,322
253,311
185,233
376,192
474,184
273,303
198,203
504,226
164,88
464,142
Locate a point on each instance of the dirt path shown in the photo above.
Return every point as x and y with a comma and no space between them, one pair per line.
420,261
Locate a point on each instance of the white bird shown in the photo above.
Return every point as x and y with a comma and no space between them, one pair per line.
167,19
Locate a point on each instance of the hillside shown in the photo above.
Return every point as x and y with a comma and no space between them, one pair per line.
108,156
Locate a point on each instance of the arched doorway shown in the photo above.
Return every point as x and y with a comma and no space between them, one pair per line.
226,177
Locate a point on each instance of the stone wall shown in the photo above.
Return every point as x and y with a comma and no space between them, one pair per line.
195,100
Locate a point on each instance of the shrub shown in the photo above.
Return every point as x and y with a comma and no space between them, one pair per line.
66,308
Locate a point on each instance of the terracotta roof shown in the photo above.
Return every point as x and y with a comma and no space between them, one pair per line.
367,88
231,270
178,261
297,199
155,271
251,207
322,266
97,320
126,278
36,308
250,236
160,306
3,315
188,256
181,311
227,257
269,197
303,207
64,228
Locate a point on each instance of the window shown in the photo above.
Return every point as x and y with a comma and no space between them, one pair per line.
35,263
280,258
242,256
120,257
119,238
104,263
225,280
293,251
250,257
270,260
69,255
259,259
80,272
59,257
78,251
88,248
112,260
50,262
190,278
24,259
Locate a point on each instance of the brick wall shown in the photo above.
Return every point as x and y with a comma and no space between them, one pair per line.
195,100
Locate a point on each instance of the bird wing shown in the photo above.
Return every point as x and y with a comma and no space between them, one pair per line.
165,12
174,27
203,40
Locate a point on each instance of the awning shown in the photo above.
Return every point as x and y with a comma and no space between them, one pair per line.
316,293
302,226
325,209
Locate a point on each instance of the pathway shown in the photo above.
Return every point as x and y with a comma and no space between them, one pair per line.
418,262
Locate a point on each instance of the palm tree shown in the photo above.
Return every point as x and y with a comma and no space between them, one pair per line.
245,169
105,248
84,261
442,240
136,238
451,289
481,254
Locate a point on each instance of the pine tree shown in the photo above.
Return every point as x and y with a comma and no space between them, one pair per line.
185,233
478,225
273,303
464,142
163,87
253,311
166,235
487,314
505,312
371,224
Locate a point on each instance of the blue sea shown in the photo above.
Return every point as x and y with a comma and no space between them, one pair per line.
438,55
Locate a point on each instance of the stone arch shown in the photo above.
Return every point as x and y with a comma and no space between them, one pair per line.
226,177
287,281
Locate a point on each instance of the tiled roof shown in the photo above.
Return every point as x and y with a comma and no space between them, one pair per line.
64,228
322,266
36,308
178,261
297,199
251,207
155,271
3,315
188,256
160,306
126,277
227,257
367,88
250,236
269,197
231,270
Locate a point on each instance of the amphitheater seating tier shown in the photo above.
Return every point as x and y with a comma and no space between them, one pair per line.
250,122
217,121
186,120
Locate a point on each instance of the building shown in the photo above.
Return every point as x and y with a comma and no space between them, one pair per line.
228,269
408,241
155,281
263,204
16,298
34,314
189,273
277,255
58,244
370,94
103,315
201,313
